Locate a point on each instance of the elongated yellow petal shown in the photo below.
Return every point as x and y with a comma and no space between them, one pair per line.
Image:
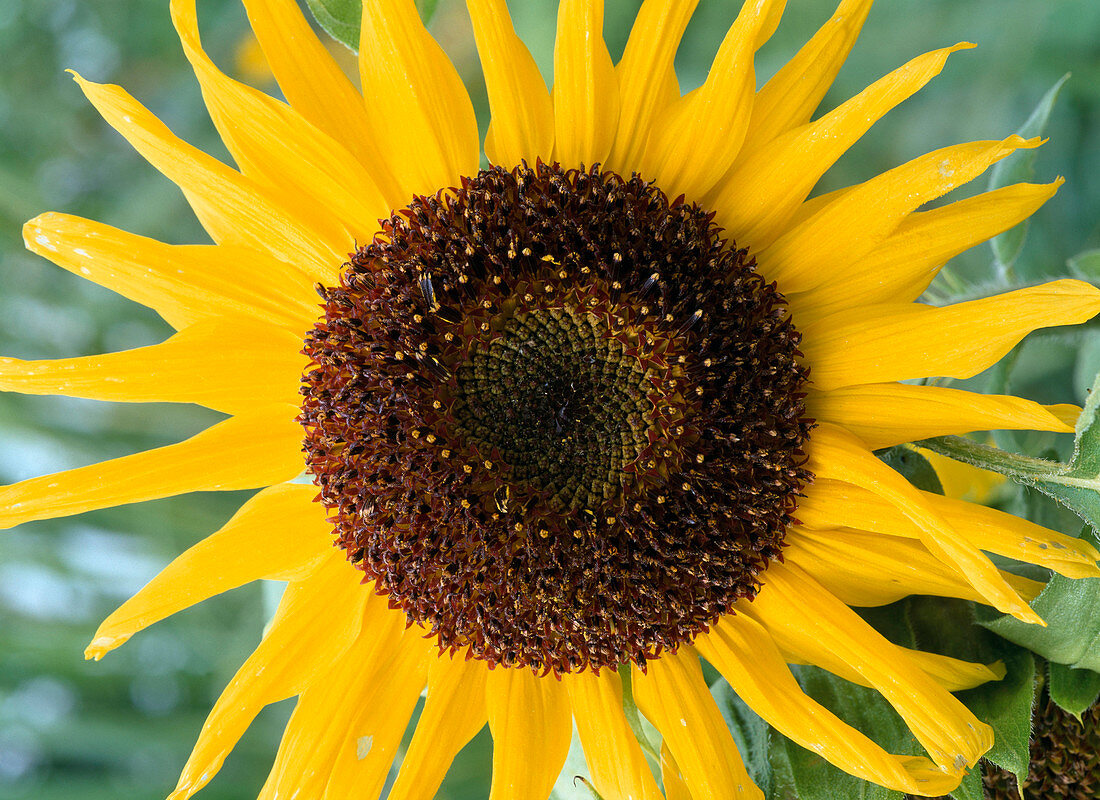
836,454
230,366
897,341
453,714
873,569
386,703
316,622
323,725
900,268
740,648
790,97
861,218
265,446
234,209
531,724
675,786
647,77
674,697
831,503
417,104
757,199
885,414
793,602
279,534
951,674
586,90
183,283
618,766
522,127
700,136
308,171
317,88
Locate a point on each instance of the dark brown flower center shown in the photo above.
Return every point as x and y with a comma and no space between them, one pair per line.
556,417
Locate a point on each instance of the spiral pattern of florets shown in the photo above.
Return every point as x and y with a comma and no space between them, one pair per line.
556,417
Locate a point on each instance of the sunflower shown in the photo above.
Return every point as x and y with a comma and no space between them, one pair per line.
575,420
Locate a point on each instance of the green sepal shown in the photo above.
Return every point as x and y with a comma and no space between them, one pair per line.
341,19
1017,168
1073,690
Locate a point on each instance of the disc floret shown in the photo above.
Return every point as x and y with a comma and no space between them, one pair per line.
556,417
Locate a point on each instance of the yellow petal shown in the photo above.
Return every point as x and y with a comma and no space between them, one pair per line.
886,414
951,674
872,569
790,97
586,90
898,341
836,454
675,786
740,648
386,703
1067,412
279,534
228,365
318,89
647,77
453,714
793,602
618,766
762,192
675,698
830,503
182,283
317,620
265,448
861,218
370,679
417,104
522,127
234,209
700,136
307,170
901,267
530,720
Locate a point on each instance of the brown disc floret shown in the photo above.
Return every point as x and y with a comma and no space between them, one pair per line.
556,417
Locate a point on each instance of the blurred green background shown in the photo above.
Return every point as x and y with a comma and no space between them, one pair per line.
123,727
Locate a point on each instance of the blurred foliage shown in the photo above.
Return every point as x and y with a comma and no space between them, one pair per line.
124,726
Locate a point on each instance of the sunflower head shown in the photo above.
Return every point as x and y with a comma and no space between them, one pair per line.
557,417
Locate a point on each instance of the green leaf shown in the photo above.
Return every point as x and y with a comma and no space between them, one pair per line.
1006,705
1072,634
971,787
1074,690
341,18
1017,168
911,464
1075,485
